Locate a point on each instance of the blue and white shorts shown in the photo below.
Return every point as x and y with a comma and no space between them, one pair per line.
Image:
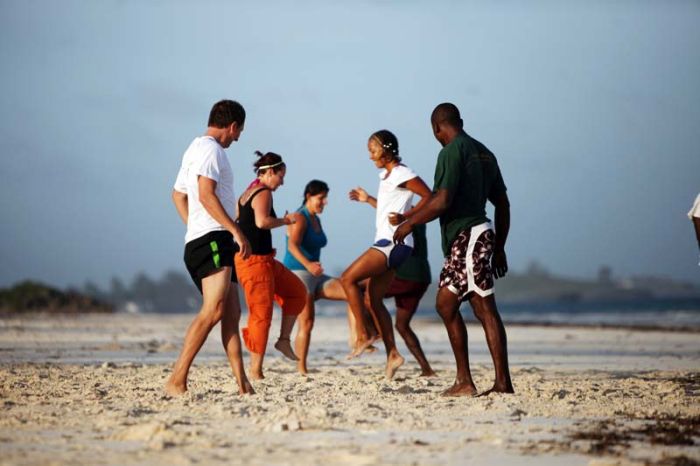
396,254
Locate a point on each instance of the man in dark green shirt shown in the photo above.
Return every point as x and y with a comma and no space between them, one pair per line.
466,176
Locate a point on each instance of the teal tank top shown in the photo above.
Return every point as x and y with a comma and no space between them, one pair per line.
311,243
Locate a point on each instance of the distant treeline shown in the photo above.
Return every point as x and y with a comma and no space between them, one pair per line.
31,296
173,293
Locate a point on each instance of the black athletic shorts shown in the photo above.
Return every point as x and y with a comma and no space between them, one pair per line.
209,253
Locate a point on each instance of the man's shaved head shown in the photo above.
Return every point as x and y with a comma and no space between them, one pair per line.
447,113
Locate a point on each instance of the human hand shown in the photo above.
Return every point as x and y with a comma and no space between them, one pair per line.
289,219
402,232
499,264
244,248
315,269
358,194
396,218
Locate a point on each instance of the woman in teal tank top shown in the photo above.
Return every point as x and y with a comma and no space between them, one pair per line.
305,238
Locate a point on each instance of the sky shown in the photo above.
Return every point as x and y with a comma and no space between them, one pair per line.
592,109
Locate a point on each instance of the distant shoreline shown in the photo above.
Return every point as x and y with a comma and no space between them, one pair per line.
418,321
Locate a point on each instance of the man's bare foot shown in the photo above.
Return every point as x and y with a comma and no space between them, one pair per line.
498,389
394,361
284,346
255,375
427,373
302,369
460,389
174,389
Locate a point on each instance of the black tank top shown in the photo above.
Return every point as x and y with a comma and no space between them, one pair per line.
259,238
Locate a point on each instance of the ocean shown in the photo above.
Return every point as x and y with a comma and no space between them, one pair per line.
667,314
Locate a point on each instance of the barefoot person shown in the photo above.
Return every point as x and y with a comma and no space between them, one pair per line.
397,185
466,175
203,196
305,238
264,279
407,288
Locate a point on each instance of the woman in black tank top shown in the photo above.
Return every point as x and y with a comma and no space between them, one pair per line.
264,279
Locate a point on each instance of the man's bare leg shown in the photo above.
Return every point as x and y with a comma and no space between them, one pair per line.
214,291
403,321
283,344
231,340
486,311
447,305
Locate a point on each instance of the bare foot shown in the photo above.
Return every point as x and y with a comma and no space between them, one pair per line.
462,389
361,347
427,373
255,375
246,389
302,369
497,389
174,389
394,361
284,346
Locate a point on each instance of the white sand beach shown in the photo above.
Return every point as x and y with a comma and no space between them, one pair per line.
88,390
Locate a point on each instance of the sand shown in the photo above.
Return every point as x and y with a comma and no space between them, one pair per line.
88,390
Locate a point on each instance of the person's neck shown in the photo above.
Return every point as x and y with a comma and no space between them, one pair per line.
217,134
309,210
391,165
452,135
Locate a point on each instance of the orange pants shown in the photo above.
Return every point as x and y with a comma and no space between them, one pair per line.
265,280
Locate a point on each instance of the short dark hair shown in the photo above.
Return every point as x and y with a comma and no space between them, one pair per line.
447,113
315,187
226,112
389,142
268,161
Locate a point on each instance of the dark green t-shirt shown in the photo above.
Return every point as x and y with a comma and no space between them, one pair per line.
416,268
469,171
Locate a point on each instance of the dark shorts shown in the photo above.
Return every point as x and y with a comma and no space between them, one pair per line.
209,253
468,267
406,293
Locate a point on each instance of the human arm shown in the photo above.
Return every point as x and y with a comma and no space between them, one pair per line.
418,186
295,233
432,209
211,203
181,204
499,263
360,195
262,206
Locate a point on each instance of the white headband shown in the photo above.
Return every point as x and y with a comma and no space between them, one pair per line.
270,166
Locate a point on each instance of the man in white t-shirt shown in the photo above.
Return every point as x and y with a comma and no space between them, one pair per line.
204,198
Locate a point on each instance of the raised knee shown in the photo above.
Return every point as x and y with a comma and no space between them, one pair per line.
346,280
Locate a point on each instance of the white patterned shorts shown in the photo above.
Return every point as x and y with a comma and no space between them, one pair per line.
468,267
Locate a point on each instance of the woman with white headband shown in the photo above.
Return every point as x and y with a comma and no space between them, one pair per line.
264,279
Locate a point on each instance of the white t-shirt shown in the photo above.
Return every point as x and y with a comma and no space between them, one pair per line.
205,157
392,198
695,210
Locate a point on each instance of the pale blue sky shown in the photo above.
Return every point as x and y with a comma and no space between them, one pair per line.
592,108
